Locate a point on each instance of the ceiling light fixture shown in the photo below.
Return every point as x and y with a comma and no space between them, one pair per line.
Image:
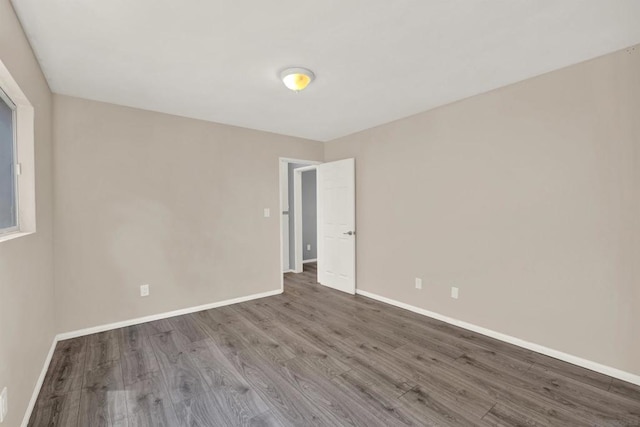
297,79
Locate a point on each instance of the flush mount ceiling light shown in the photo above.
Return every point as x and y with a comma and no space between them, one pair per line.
297,79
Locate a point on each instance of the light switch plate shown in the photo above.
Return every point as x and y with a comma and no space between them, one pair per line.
418,283
454,292
267,212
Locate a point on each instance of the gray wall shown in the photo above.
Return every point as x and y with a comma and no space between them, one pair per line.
309,214
26,263
526,198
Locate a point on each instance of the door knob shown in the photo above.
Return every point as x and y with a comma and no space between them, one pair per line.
350,233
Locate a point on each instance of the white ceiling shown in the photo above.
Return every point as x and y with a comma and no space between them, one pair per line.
375,60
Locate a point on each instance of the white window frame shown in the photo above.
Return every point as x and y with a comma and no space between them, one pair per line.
24,167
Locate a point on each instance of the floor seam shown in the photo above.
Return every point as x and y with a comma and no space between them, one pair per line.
411,389
119,333
84,367
485,414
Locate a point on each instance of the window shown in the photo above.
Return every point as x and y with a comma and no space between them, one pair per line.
17,174
8,190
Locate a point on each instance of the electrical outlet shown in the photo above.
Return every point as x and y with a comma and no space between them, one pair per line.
454,292
308,247
4,405
144,290
418,283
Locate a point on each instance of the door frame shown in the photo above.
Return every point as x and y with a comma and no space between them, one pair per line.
283,183
297,210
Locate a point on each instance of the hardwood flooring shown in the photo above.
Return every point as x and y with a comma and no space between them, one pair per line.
315,356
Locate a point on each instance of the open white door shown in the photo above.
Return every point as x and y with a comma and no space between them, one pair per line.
336,225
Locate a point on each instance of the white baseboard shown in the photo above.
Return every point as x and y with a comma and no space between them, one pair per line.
594,366
137,321
122,324
309,260
36,390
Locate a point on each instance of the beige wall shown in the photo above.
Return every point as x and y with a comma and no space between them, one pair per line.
527,198
144,197
26,272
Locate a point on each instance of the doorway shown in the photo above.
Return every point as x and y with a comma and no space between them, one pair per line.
305,226
332,218
292,228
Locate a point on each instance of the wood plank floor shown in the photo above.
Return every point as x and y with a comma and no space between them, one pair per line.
314,356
